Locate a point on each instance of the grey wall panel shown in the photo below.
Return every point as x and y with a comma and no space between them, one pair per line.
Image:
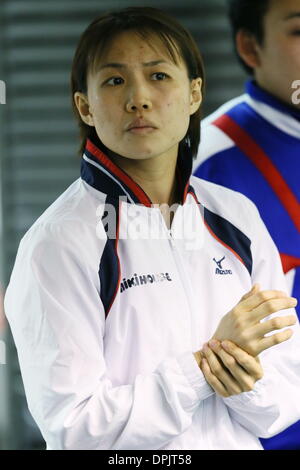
38,136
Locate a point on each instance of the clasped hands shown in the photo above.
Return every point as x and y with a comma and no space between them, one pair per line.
229,361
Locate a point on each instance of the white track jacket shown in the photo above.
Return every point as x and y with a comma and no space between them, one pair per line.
106,321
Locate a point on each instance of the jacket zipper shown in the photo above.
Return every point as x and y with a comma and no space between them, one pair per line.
201,418
180,270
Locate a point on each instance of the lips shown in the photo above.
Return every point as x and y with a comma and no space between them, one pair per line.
141,130
140,124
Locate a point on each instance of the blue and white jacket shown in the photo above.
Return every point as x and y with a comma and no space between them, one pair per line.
106,316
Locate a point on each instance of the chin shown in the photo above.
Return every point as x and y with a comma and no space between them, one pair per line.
139,155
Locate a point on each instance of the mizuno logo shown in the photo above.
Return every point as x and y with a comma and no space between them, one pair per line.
219,269
218,263
144,279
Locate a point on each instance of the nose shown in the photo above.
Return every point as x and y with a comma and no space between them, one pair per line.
138,99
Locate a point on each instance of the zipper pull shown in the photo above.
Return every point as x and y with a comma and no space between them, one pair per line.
171,238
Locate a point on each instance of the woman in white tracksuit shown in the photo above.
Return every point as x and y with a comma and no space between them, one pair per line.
114,297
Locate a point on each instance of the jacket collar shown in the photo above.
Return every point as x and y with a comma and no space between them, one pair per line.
257,93
98,170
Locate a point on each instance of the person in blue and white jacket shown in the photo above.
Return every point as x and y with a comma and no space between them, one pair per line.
122,282
252,143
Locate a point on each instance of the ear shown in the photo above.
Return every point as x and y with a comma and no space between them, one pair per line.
248,48
196,95
82,104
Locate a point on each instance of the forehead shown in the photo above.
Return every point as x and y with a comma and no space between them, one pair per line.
138,45
284,9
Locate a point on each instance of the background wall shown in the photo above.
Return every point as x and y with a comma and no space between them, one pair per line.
38,139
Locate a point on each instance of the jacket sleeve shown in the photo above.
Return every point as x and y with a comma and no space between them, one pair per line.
274,403
213,150
58,324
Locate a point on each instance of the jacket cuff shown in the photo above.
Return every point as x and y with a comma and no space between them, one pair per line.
257,393
194,375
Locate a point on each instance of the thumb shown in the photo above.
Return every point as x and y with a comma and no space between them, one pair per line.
255,288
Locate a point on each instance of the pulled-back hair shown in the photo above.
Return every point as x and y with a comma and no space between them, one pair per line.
249,16
146,22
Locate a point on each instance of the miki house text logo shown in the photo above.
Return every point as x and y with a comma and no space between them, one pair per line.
144,279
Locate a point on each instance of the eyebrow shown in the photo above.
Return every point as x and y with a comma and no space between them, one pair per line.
117,65
290,16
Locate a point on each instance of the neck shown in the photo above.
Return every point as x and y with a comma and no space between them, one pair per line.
156,175
275,101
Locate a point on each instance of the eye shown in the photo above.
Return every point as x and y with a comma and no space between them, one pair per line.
161,73
113,78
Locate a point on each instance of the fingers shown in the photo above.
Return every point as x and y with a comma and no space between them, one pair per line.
245,381
212,380
273,340
219,372
243,367
254,301
249,363
273,306
275,323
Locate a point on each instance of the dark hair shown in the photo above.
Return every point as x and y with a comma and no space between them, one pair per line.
145,21
248,15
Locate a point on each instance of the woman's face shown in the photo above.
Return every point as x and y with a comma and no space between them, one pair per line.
159,93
